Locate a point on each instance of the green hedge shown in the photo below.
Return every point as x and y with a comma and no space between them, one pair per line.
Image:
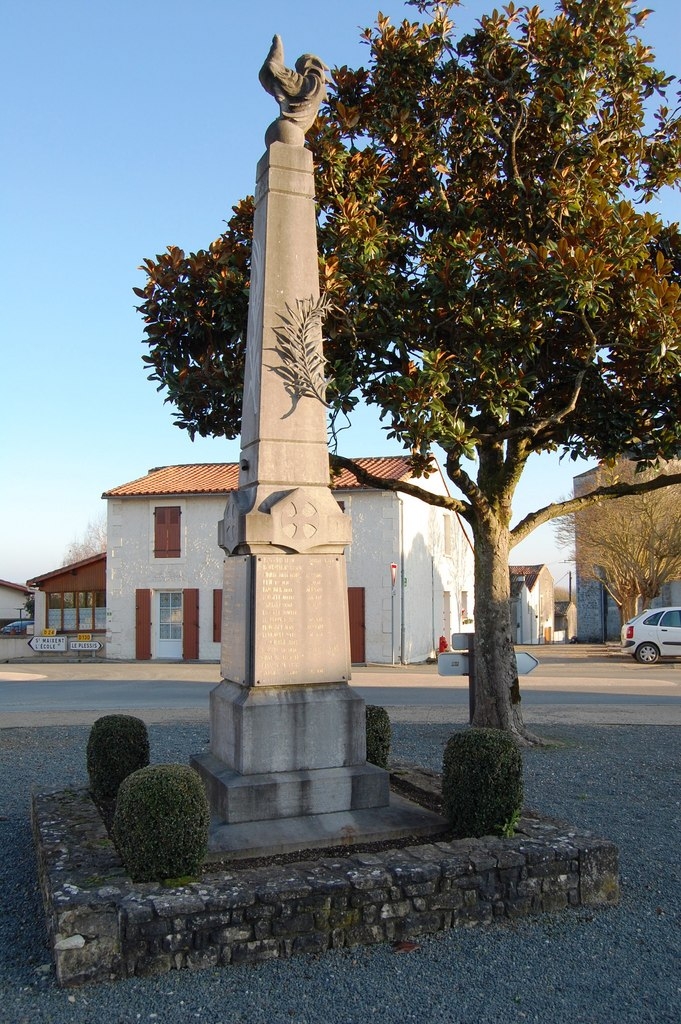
161,823
117,746
379,735
482,783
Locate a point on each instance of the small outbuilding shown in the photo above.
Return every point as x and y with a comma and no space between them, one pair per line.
72,600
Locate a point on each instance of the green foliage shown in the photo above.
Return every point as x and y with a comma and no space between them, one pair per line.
117,746
482,783
490,274
500,282
379,735
161,823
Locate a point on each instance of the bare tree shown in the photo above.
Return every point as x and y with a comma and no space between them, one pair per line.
631,545
91,542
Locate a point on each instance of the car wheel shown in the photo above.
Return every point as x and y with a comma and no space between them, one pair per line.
647,654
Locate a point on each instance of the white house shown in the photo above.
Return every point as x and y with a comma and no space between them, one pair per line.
13,601
164,566
532,603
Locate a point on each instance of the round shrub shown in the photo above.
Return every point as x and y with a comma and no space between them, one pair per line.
482,783
161,823
379,735
117,746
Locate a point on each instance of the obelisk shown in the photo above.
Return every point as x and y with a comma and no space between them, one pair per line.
287,731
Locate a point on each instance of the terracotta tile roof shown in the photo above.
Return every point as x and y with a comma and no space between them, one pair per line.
196,478
222,477
390,467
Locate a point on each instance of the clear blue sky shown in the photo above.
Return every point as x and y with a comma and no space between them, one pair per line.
127,127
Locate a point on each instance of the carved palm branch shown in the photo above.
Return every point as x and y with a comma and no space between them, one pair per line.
300,351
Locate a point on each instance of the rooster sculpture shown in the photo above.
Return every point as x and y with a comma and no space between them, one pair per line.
299,93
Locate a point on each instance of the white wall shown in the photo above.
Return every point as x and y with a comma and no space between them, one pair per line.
396,528
535,609
437,560
11,601
386,528
131,565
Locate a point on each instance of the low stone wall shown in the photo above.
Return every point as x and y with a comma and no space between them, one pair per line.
104,927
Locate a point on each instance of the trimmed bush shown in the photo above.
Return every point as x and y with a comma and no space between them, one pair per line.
161,823
379,735
482,783
117,746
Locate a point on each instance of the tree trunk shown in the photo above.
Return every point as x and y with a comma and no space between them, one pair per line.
496,687
629,606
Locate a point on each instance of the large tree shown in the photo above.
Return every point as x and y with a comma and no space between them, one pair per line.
499,286
632,545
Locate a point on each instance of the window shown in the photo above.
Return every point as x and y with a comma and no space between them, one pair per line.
672,618
77,611
167,531
170,616
652,620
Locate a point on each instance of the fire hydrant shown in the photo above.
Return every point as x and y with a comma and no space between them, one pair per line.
443,645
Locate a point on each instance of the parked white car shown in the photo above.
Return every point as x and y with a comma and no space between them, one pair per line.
655,633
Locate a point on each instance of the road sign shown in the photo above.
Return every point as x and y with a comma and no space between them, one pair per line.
449,664
456,664
48,643
84,645
526,663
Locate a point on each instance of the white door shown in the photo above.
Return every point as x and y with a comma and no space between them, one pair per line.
169,619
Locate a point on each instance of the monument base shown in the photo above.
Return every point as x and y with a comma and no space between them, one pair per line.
281,752
274,795
399,819
260,729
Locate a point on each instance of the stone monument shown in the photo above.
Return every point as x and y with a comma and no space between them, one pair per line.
287,763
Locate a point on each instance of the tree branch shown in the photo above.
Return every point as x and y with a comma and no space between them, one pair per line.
533,430
391,484
562,508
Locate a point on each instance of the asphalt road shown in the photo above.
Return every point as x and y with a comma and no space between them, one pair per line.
571,684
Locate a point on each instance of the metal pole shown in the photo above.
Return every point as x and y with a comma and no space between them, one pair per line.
471,677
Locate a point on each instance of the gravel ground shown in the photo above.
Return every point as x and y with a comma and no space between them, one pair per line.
614,965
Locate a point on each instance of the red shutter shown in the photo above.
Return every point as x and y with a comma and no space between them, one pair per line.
143,625
357,625
190,625
217,616
167,531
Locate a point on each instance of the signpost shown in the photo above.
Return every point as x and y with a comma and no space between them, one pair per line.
393,579
57,644
52,644
460,663
455,663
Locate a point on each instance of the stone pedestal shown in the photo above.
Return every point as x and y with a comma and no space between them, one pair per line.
283,752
